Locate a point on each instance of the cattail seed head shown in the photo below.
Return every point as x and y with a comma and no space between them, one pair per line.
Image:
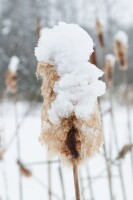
100,31
71,126
11,75
121,49
109,68
38,27
93,57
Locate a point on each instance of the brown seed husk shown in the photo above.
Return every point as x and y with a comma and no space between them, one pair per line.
38,28
93,57
11,82
24,171
121,53
99,29
73,139
109,70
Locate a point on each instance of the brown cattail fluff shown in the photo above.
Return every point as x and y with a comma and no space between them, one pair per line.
73,139
11,75
100,30
24,171
11,82
93,57
109,69
121,50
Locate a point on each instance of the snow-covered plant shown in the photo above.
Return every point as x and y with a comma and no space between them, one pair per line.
109,68
121,49
100,30
11,75
71,125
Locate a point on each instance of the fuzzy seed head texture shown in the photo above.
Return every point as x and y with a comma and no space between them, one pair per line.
122,37
121,49
71,124
109,68
110,58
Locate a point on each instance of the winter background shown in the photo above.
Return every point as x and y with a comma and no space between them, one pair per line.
110,171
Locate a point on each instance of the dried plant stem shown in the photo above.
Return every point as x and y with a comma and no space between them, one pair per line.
5,181
117,147
32,105
49,180
42,163
90,183
18,150
109,171
41,183
62,183
108,164
76,183
125,80
82,187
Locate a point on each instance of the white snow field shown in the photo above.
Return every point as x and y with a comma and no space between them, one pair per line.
35,187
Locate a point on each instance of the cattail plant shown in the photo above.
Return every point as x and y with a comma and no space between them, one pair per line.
38,27
93,57
100,31
121,49
11,75
71,125
109,68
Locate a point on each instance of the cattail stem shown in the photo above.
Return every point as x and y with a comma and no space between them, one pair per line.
18,151
108,165
5,181
125,80
117,147
90,183
82,186
62,183
49,180
76,183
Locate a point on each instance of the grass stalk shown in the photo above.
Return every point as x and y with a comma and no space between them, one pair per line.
76,182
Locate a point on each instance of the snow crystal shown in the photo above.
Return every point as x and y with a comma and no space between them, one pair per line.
121,36
68,47
13,65
111,59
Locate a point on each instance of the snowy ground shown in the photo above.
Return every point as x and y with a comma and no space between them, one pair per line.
35,187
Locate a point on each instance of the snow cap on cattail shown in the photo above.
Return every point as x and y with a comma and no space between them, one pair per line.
43,30
100,31
109,68
121,49
11,75
71,125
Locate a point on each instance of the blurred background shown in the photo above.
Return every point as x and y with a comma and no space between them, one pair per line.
25,172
